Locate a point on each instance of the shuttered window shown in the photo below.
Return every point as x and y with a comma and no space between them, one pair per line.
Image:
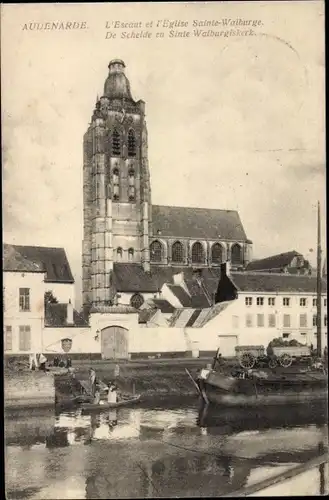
248,320
286,320
25,338
271,320
303,320
260,320
8,338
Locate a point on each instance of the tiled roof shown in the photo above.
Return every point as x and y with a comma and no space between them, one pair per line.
52,260
196,318
14,261
133,278
198,223
181,317
199,298
164,306
193,317
273,262
55,315
200,319
144,315
275,282
180,294
215,310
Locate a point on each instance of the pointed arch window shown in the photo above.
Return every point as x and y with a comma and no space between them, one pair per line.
177,252
197,253
130,254
156,251
119,253
236,254
131,143
116,143
116,185
216,254
131,188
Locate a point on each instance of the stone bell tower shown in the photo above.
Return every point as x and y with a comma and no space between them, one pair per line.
116,188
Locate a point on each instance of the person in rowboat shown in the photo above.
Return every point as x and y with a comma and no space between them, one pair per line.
112,395
42,362
97,397
92,379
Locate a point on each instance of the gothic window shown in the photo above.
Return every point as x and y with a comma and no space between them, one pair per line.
156,251
119,253
130,254
115,176
116,143
131,189
236,254
116,187
197,253
177,253
216,253
131,143
137,300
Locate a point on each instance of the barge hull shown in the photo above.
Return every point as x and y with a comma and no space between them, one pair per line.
220,397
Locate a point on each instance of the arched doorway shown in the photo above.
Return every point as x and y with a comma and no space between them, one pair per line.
114,342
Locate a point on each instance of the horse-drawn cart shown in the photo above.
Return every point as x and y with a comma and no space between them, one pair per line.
284,355
249,355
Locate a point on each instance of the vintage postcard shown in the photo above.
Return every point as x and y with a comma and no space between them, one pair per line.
164,257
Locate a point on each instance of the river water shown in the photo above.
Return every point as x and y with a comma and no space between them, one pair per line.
159,450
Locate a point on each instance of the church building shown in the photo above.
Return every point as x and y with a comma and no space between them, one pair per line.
131,247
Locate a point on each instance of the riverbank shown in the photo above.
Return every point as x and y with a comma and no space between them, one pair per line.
150,378
28,389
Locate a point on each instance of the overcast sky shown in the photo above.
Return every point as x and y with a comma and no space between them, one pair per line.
234,123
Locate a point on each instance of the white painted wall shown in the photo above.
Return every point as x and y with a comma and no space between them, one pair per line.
159,340
83,341
232,321
12,282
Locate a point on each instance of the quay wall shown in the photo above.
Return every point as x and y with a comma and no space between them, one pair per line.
28,389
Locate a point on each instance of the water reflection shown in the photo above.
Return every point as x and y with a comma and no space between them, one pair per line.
147,452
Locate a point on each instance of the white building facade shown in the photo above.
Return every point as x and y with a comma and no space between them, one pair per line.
23,305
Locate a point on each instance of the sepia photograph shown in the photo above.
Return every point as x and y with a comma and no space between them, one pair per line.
164,250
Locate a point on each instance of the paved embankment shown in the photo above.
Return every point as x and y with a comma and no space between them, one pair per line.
28,389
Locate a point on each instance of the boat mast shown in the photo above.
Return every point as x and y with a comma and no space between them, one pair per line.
319,288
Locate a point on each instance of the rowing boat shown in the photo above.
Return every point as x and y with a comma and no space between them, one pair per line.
108,406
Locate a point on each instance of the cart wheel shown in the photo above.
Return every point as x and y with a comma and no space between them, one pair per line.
285,360
247,360
272,363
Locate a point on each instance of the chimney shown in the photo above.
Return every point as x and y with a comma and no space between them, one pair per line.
69,313
178,278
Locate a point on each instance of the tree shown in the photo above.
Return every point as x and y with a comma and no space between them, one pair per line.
50,298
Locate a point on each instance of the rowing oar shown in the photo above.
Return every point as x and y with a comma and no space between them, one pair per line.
194,382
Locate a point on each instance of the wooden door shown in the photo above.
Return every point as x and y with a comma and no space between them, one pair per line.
114,342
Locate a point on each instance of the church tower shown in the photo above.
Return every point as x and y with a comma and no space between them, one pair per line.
116,188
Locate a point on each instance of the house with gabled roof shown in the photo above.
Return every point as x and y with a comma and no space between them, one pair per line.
288,262
54,263
269,305
31,323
